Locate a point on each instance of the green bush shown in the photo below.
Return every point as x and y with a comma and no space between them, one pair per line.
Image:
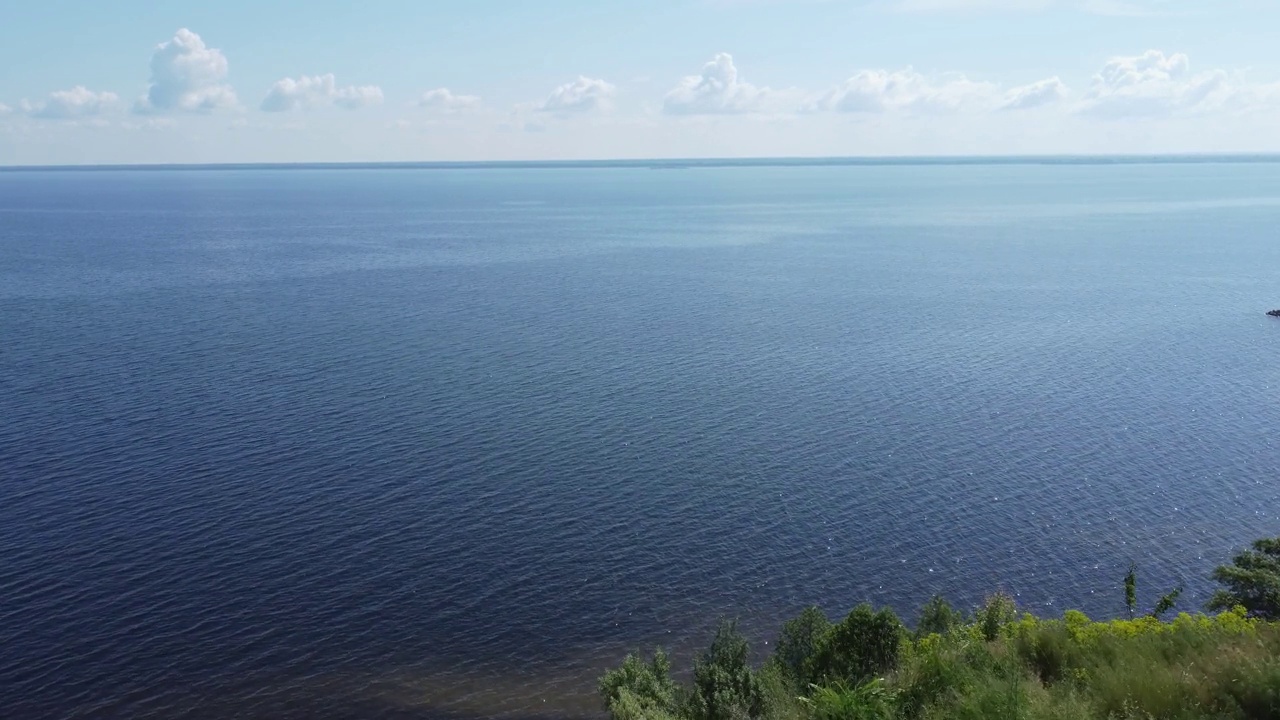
1047,649
862,646
724,686
998,611
640,689
994,665
871,701
937,616
1252,580
798,645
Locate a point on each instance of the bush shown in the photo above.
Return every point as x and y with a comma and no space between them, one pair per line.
798,646
997,665
640,690
871,701
724,686
937,616
1047,649
1252,580
865,644
998,611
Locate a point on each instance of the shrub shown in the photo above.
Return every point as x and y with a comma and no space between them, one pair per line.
865,644
1048,649
870,701
798,646
640,689
1252,580
725,688
937,616
935,671
998,611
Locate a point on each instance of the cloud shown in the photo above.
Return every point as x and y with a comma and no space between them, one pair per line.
875,91
354,98
1044,92
318,91
1153,84
715,91
444,100
5,109
151,123
186,76
580,96
77,102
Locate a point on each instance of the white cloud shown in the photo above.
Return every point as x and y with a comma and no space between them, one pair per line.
187,76
445,100
580,96
1153,84
318,91
876,91
716,91
152,123
354,98
77,102
1044,92
5,109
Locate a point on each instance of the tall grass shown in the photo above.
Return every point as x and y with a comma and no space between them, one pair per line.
996,665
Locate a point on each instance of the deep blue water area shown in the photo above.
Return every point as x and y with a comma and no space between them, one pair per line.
416,443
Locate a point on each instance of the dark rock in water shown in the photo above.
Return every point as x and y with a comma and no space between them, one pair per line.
1274,313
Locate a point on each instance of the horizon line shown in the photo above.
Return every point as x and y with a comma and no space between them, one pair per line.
683,163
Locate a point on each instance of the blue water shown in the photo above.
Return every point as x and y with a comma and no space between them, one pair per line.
438,443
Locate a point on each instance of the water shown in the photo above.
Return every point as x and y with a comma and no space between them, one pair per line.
446,443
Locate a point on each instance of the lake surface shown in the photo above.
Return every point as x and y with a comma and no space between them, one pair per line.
447,443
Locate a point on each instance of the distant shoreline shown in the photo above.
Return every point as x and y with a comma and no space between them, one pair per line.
689,163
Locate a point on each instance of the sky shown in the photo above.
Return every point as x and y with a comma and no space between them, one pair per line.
169,81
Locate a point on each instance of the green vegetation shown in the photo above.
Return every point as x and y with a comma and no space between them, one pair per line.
1252,580
992,663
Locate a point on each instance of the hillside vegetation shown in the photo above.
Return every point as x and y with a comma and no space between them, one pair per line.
992,663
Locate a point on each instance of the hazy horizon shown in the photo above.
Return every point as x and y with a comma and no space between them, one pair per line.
695,162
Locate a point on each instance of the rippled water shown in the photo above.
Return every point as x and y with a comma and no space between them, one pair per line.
294,444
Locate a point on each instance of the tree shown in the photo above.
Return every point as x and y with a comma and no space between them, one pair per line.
640,690
1166,602
937,616
998,611
1131,589
1252,581
864,645
798,646
724,687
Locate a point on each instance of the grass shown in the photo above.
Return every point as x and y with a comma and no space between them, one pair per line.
999,664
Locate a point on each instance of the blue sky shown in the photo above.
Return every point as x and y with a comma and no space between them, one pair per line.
236,81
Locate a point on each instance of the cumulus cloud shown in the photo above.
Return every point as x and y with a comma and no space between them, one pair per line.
187,76
716,90
1152,83
318,91
445,100
580,96
1044,92
77,102
874,91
